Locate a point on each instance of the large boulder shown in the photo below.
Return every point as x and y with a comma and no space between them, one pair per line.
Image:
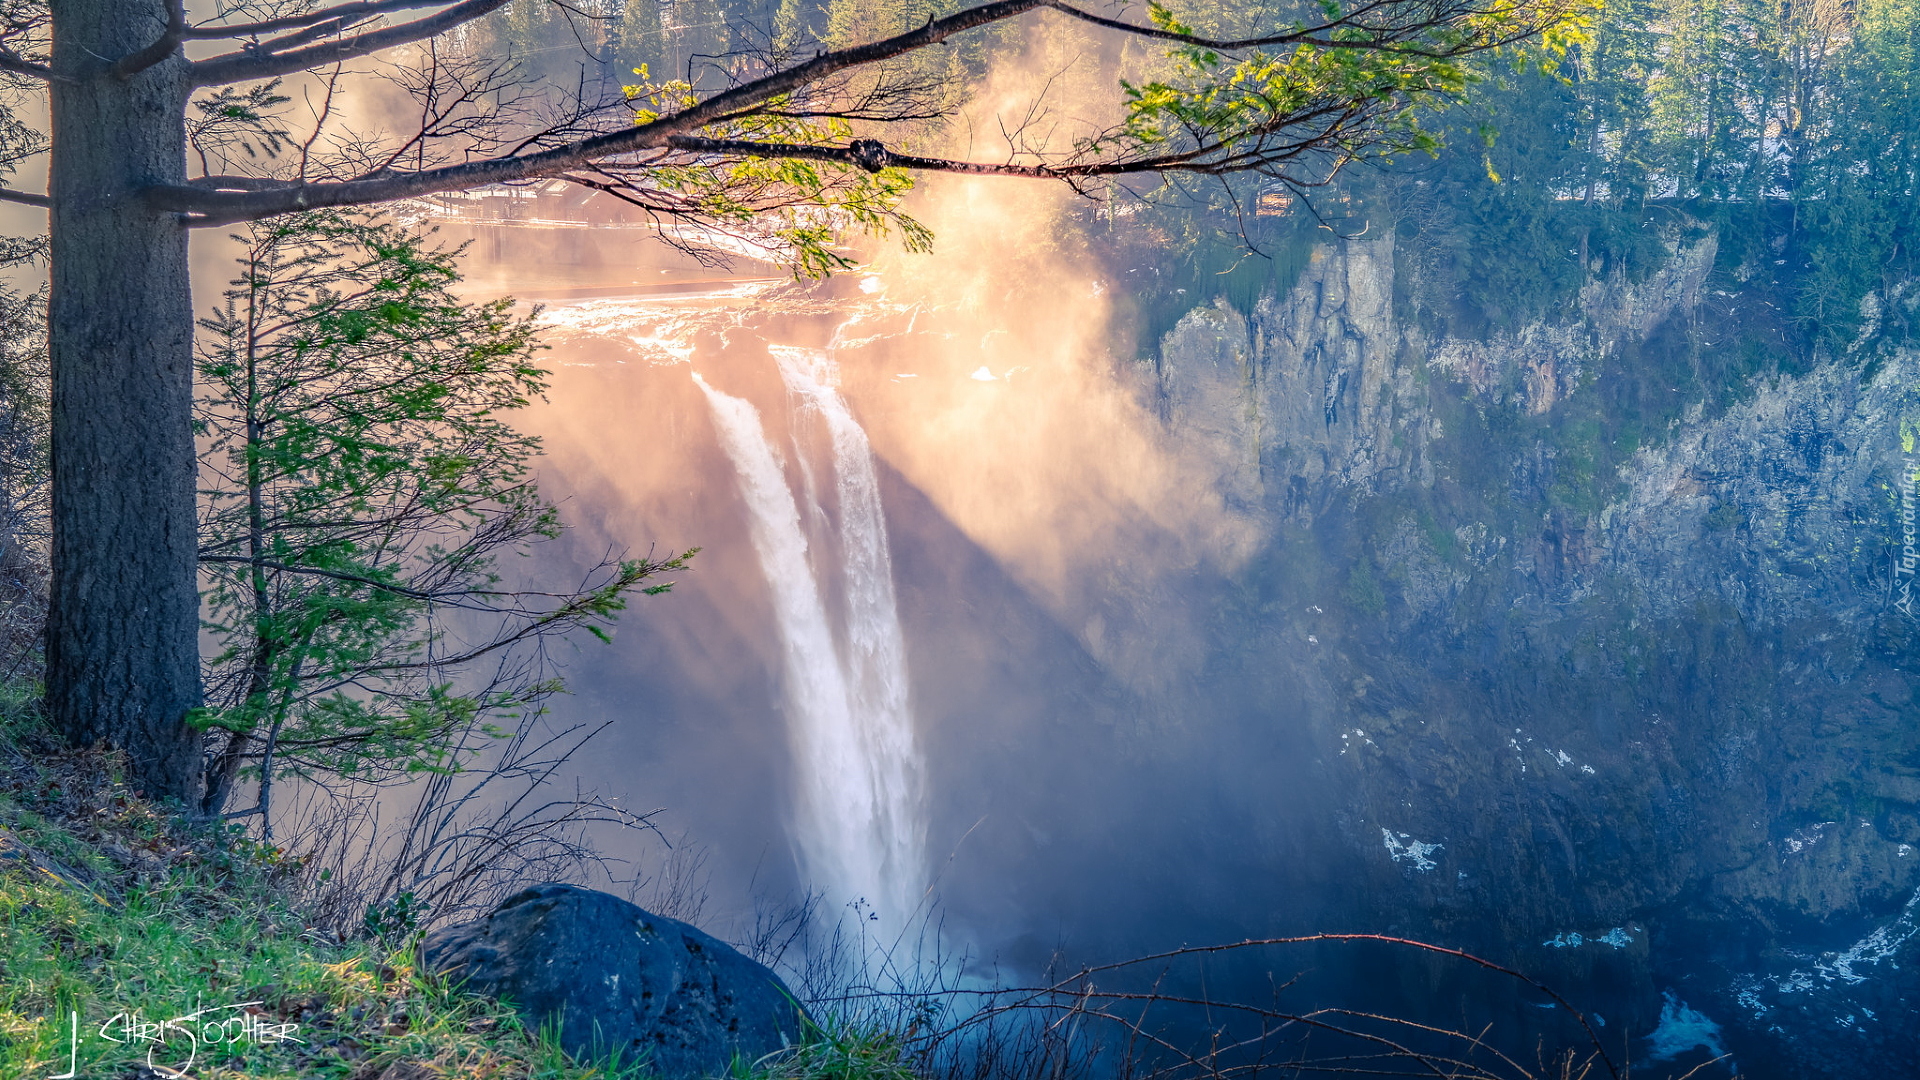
615,977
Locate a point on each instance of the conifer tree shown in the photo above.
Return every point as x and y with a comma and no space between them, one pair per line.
360,484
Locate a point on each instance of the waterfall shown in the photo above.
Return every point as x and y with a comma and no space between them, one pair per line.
859,822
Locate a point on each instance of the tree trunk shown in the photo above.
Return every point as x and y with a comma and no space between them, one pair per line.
122,633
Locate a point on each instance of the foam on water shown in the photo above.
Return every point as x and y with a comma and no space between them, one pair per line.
1682,1029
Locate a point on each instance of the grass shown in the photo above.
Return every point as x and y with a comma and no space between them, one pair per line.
838,1050
129,919
167,940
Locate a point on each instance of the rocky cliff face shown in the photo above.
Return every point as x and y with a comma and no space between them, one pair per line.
1602,634
1306,395
1325,389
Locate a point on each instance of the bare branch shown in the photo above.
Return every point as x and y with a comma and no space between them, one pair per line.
300,37
1411,943
25,40
871,155
1316,35
239,183
357,579
219,208
1325,127
14,62
28,198
262,64
339,12
176,32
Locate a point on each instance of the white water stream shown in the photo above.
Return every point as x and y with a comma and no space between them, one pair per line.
860,819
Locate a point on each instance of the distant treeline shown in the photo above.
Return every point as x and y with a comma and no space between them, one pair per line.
1789,127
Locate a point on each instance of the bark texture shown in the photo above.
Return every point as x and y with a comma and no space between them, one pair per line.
122,661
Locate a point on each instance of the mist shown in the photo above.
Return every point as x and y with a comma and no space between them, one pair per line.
1206,638
1095,787
1089,588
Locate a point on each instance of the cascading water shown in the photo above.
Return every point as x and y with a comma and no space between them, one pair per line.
860,821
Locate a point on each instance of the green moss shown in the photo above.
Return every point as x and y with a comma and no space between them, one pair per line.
1439,537
1178,258
114,914
211,938
1363,589
1724,516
